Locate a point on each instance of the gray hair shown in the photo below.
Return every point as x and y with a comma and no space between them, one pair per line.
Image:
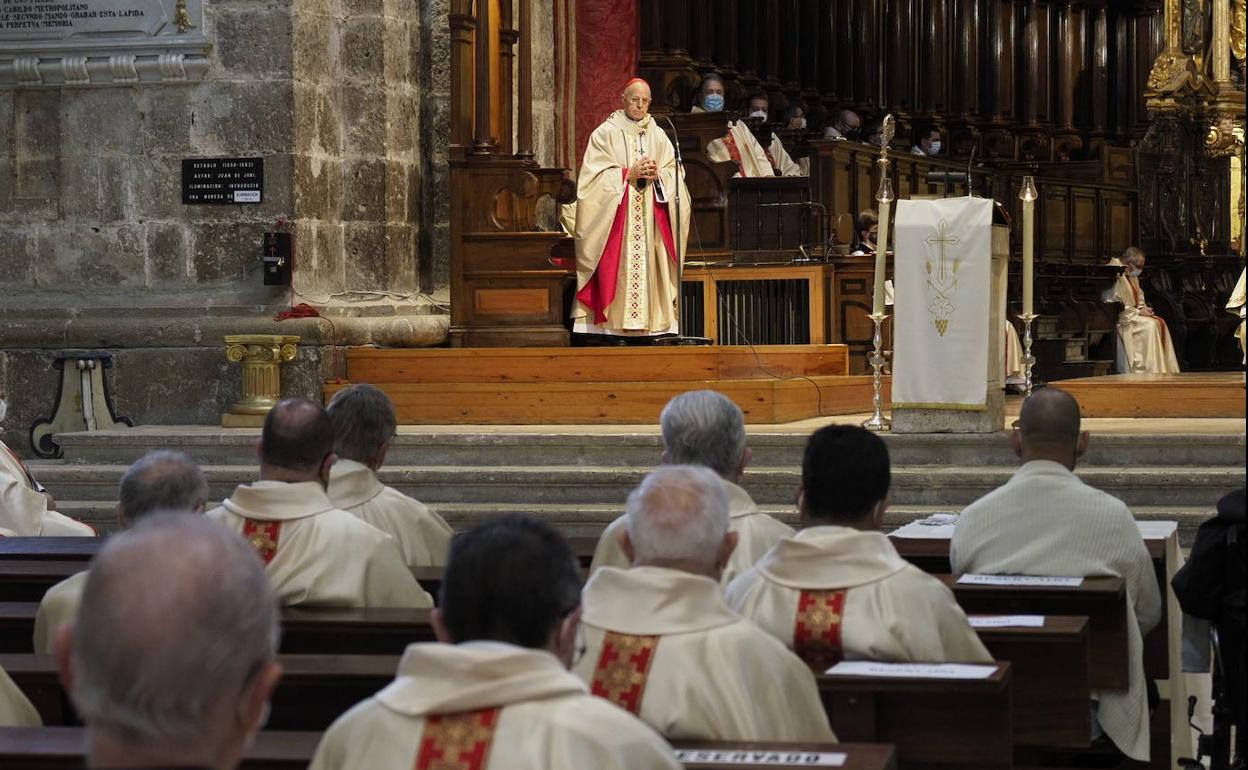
1132,255
703,427
176,617
363,418
678,514
162,481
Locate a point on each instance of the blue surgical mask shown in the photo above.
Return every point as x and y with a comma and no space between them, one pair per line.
935,147
713,102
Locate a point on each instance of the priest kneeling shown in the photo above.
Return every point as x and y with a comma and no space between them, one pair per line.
662,643
627,252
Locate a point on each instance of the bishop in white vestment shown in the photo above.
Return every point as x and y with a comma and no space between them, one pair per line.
1046,521
317,554
24,508
629,242
835,593
488,706
1144,343
15,708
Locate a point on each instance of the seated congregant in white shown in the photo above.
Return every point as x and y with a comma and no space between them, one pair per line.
739,145
1046,521
1144,343
172,657
703,427
364,428
496,686
839,590
781,163
662,643
159,481
26,508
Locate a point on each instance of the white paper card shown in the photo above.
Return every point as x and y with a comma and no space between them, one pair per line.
913,670
750,758
1006,621
1021,580
917,530
1156,530
246,196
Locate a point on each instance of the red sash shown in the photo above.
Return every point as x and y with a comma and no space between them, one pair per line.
263,536
734,152
817,630
457,741
623,668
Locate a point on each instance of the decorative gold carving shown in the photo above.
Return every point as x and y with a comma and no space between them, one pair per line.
1239,23
1222,141
1170,72
261,356
182,17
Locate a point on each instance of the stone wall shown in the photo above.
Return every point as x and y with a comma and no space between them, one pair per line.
346,101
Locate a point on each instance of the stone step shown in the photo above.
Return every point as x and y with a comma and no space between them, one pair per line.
474,447
588,519
955,486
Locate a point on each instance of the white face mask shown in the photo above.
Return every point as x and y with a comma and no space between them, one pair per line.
1134,272
759,114
4,409
935,147
800,124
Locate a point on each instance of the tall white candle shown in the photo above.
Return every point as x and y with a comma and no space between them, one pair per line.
881,259
1028,196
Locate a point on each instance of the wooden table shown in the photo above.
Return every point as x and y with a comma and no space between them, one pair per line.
932,722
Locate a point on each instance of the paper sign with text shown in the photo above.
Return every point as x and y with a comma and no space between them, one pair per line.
911,670
1021,580
1006,621
752,758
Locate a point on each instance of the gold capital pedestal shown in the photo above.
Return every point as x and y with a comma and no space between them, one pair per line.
261,356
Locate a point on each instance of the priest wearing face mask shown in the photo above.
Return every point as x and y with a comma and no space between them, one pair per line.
1144,344
846,125
929,144
781,163
739,144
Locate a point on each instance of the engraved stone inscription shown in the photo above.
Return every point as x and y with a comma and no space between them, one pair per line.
55,19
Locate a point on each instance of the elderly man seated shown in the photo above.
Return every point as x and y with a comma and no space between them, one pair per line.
26,508
781,163
739,144
703,427
662,643
846,125
1144,344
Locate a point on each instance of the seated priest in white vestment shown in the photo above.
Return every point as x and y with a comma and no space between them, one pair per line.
1012,352
315,553
1046,521
629,242
172,657
1236,304
846,125
662,643
703,427
739,145
777,156
838,590
1144,343
26,508
159,481
364,428
495,693
16,709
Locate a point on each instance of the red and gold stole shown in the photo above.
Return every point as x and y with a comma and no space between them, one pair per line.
457,741
623,668
263,536
817,631
734,152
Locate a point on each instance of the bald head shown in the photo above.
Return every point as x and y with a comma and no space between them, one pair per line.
298,436
678,518
1049,427
176,625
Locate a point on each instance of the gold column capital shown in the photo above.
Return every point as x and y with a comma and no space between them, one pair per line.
261,356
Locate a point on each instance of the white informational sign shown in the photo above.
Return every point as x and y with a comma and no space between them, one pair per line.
246,196
1006,621
750,758
1157,530
911,670
1021,580
918,530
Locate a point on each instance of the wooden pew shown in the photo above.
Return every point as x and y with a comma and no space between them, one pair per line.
27,580
933,723
305,630
62,748
1102,600
1051,680
314,690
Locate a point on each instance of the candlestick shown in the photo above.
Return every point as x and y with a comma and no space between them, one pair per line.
1028,359
884,195
877,421
1028,196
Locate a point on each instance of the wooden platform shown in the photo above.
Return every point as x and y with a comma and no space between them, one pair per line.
606,385
1189,394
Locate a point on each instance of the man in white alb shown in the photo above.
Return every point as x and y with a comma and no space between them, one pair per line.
1144,343
26,508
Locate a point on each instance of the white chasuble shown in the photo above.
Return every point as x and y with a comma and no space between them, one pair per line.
740,146
15,708
58,606
1144,344
662,644
756,534
488,706
1046,521
626,250
316,554
24,509
834,593
943,276
421,534
1236,304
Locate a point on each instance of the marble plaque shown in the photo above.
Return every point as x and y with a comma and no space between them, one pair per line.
59,19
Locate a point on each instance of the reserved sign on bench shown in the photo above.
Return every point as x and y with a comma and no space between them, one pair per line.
911,670
1006,621
749,758
1020,580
